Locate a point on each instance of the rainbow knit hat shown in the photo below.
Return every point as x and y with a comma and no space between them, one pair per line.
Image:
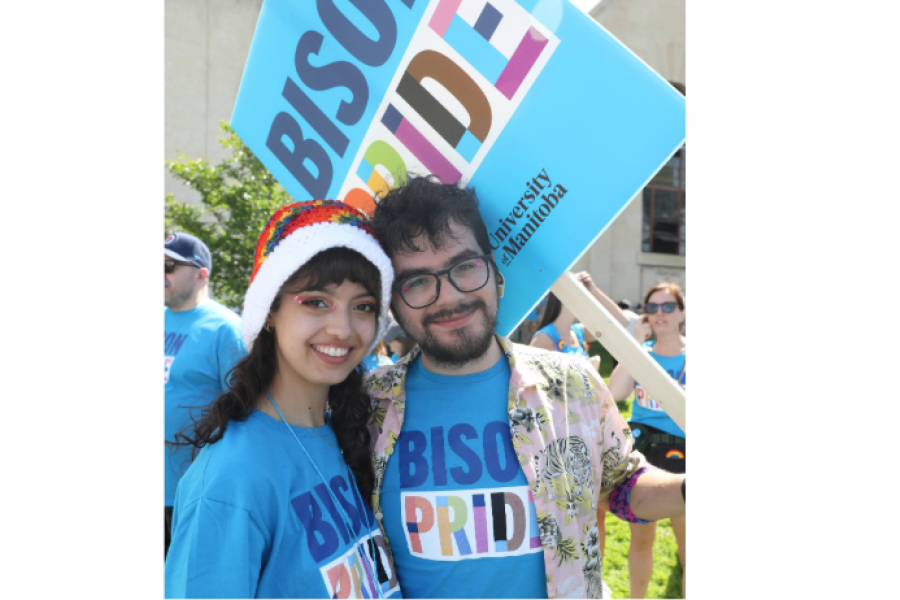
292,236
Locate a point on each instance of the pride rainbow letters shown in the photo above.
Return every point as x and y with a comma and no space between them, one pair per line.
467,524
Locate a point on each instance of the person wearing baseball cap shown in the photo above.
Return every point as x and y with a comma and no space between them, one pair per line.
203,342
276,503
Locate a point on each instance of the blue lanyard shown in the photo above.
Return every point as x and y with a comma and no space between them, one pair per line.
344,516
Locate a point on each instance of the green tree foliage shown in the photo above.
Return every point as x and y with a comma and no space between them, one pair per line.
237,197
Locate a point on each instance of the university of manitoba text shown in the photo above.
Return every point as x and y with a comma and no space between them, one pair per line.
526,216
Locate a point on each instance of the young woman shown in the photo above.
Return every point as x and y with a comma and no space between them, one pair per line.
558,331
655,433
276,503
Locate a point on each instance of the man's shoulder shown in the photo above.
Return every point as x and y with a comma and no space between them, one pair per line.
380,382
551,359
540,365
221,312
218,318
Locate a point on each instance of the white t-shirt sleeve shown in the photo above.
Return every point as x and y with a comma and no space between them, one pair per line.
632,319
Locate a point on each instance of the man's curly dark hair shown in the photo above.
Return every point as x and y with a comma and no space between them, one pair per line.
425,205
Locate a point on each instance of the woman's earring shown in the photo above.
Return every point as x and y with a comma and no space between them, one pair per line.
266,327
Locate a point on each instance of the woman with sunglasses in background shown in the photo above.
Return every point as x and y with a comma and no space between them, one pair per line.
276,503
655,434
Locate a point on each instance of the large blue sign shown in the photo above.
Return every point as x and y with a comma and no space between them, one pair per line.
554,122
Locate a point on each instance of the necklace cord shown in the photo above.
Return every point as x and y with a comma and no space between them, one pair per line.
334,499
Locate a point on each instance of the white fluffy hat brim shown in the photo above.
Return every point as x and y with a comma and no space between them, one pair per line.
295,251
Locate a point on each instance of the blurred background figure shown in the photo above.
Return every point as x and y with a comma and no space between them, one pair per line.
378,358
625,305
526,330
655,434
203,342
381,354
397,342
558,331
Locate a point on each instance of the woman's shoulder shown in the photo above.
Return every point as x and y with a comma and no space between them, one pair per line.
246,460
549,330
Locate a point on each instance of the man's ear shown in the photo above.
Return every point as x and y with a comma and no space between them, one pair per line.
500,281
203,275
496,270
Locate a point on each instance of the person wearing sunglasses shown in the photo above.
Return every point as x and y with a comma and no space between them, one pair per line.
276,503
203,342
656,435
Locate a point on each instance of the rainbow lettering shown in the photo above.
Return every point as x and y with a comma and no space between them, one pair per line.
470,523
353,575
644,399
467,68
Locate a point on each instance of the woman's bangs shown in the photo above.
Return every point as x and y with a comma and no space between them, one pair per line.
335,266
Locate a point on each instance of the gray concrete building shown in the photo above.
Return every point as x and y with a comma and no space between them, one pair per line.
206,46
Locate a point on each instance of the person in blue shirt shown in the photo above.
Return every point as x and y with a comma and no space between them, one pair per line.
656,435
276,502
398,342
557,330
378,358
203,342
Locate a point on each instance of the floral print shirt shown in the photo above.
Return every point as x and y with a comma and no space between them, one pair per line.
573,445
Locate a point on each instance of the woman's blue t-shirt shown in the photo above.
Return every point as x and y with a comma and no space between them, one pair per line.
553,333
646,410
253,519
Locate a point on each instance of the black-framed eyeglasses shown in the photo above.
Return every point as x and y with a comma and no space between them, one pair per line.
667,307
170,265
423,290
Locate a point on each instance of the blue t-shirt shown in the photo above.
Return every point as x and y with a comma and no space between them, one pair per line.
577,328
253,519
457,506
202,345
646,410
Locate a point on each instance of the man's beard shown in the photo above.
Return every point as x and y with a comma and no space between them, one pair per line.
466,347
174,301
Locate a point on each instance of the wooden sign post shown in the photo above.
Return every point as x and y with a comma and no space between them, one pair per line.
622,345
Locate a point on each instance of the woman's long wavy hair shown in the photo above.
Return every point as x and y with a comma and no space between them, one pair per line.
350,407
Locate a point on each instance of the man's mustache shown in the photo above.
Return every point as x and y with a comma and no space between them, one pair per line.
450,312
